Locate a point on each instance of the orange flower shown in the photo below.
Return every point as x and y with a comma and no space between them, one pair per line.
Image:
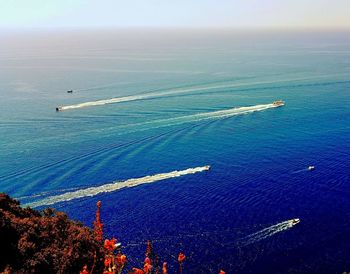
123,259
165,268
181,258
147,268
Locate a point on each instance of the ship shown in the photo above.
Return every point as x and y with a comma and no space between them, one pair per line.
278,103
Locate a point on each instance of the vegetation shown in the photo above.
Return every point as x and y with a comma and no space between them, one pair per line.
48,242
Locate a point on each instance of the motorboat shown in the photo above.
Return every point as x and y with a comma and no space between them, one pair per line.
70,91
295,221
279,103
311,168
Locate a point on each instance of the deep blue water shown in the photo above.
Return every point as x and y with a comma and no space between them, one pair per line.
259,160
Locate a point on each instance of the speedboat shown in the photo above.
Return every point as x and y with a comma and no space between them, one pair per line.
295,221
311,168
58,108
206,167
278,103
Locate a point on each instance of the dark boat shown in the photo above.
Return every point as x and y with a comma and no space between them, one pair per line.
58,108
70,91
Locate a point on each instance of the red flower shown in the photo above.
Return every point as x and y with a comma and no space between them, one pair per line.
147,260
110,244
121,259
107,261
85,270
137,271
181,258
98,225
118,257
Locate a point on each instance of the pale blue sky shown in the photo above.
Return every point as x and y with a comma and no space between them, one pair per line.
175,13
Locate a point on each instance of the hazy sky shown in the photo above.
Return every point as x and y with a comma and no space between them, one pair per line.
175,13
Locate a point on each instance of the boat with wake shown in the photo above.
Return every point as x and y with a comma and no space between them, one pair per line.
295,221
278,103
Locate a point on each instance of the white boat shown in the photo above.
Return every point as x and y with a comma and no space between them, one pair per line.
279,103
311,168
295,221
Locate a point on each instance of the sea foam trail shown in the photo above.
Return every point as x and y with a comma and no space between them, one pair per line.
208,115
110,187
152,95
198,117
268,232
225,113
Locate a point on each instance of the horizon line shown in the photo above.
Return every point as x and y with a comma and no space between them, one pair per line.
176,28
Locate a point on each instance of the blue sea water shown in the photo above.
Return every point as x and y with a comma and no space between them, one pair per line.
258,176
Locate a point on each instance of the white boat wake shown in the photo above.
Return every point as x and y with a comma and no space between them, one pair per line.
223,113
205,116
300,170
110,187
160,123
175,91
268,232
129,98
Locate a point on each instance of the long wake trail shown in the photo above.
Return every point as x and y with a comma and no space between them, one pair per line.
114,186
176,91
268,232
212,115
129,98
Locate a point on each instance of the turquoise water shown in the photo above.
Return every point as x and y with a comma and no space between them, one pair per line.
186,83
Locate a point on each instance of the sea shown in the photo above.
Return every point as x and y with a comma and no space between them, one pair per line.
174,131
